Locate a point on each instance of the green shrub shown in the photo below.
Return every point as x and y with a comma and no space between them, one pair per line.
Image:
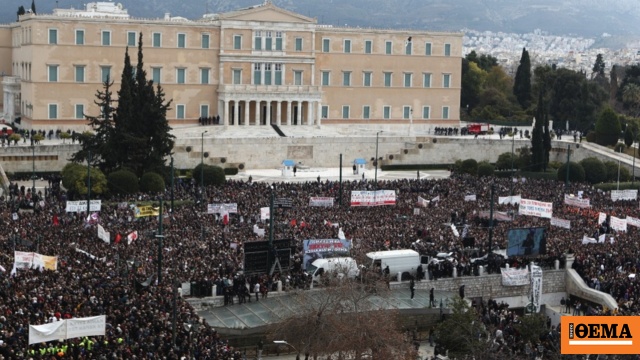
614,186
576,172
619,148
74,179
231,171
594,170
591,136
505,161
211,175
152,183
469,166
485,169
123,182
555,165
612,172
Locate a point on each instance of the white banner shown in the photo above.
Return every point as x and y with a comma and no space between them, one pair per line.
509,199
631,194
561,223
81,206
422,201
257,230
514,277
48,332
618,224
321,201
536,286
576,201
222,208
103,235
455,231
68,329
633,221
265,213
373,198
602,217
28,260
535,208
470,197
437,198
93,257
588,240
89,326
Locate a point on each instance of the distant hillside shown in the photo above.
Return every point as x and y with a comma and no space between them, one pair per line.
589,18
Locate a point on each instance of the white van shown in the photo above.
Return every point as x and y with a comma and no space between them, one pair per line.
341,266
398,261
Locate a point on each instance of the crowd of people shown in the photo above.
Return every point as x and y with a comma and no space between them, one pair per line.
117,279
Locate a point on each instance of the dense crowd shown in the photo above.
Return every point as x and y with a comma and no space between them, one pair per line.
116,279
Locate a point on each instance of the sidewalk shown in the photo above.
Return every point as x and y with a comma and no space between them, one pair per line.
425,352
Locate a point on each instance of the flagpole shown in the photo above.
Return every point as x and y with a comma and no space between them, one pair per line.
271,215
89,183
160,237
340,198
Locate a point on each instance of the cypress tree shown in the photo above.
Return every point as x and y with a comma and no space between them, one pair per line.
522,82
33,7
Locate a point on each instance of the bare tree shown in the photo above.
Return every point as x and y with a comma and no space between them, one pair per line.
346,317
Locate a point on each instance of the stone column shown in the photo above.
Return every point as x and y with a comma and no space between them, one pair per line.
319,113
268,117
289,113
247,108
236,115
225,112
278,112
257,113
310,113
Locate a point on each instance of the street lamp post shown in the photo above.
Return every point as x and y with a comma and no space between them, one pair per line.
202,163
513,143
160,237
619,158
375,163
172,184
88,182
33,171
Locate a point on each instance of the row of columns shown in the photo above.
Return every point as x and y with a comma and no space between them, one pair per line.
302,119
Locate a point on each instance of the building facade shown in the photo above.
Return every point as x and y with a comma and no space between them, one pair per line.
255,66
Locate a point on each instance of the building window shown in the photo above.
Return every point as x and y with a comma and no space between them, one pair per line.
326,78
79,111
368,45
388,47
366,78
204,41
52,71
408,47
325,111
386,112
237,42
257,74
426,80
345,111
278,74
182,41
204,111
297,77
204,76
105,73
406,112
387,79
347,46
426,112
298,44
156,40
131,38
258,40
427,49
180,75
447,49
268,41
407,79
79,37
446,80
325,45
346,78
106,38
79,73
53,111
366,110
156,75
237,76
445,112
180,111
278,40
267,74
53,36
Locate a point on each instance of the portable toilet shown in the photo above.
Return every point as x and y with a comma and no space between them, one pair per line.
287,168
359,164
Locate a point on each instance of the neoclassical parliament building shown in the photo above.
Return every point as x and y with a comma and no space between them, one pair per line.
254,66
